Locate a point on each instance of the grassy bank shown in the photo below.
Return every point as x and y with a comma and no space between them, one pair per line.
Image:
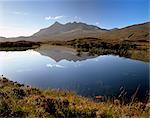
95,46
92,46
18,100
18,45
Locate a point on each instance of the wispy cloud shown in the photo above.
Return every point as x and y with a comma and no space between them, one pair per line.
19,13
77,18
97,23
55,65
53,17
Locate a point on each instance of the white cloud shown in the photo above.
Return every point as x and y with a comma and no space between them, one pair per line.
77,64
77,18
53,17
19,13
97,23
96,59
59,66
55,65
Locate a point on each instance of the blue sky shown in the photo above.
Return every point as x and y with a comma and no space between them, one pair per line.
25,17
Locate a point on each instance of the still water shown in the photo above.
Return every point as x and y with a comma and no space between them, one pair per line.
103,75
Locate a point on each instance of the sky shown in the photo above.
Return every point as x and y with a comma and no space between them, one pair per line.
25,17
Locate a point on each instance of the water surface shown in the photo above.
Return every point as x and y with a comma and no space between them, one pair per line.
103,75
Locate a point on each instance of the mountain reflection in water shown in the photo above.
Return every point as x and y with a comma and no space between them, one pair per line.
103,75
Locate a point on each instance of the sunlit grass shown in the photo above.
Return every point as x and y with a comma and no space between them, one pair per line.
18,100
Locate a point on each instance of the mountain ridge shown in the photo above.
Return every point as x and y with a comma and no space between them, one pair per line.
67,31
75,30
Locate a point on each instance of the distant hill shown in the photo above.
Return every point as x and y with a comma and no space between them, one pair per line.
138,32
70,31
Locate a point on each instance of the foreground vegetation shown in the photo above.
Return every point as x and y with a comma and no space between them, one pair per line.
18,100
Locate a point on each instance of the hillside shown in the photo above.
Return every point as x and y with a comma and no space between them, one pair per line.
71,31
23,101
133,33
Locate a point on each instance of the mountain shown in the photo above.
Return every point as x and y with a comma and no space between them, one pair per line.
62,32
70,31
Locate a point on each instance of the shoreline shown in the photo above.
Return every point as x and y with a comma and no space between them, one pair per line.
80,49
33,102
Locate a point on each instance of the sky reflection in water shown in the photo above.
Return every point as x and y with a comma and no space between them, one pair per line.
103,75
